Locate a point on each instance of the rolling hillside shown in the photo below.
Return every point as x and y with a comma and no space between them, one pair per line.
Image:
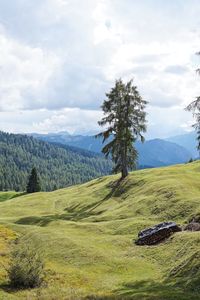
152,153
57,166
87,234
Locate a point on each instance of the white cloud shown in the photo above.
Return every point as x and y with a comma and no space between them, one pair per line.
63,55
72,120
53,11
166,122
23,71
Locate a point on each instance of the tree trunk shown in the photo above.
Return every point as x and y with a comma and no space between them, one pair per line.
124,172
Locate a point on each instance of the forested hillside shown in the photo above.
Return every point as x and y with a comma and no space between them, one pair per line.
58,167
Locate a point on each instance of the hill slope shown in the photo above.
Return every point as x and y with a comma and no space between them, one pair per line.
87,234
57,166
153,153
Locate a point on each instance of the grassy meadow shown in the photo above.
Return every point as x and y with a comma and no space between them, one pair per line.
86,234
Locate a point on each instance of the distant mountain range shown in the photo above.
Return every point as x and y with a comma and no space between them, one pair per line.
188,141
152,153
63,159
159,152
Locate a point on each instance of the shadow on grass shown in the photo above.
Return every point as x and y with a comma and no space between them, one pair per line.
10,289
78,212
148,290
122,186
98,180
7,288
18,195
73,213
187,273
45,220
141,290
2,199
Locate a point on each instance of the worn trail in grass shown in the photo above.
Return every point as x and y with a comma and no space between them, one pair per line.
86,234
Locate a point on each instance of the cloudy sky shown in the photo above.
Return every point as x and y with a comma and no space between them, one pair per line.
59,57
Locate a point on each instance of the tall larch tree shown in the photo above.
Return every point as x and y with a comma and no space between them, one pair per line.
194,107
125,122
33,185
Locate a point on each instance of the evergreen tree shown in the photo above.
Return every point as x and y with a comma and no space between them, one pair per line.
33,185
125,119
194,107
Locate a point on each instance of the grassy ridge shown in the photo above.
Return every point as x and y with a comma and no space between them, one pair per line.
86,233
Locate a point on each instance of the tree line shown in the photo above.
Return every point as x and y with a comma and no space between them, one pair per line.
57,166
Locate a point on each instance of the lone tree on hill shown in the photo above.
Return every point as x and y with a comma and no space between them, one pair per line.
194,107
125,118
33,185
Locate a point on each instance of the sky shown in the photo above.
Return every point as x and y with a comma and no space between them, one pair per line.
58,58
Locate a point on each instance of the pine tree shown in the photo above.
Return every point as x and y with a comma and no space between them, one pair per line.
33,185
194,107
125,119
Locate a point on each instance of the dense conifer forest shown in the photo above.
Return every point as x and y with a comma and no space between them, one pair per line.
57,166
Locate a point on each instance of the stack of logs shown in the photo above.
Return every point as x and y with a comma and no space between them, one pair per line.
156,234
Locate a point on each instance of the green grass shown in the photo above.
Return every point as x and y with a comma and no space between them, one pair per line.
6,237
4,196
87,234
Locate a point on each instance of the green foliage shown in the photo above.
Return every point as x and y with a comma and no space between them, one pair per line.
33,185
194,107
58,166
26,268
190,160
125,118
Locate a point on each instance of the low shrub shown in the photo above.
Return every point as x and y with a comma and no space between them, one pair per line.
27,267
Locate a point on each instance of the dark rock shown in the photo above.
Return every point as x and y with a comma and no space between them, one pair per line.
156,234
193,226
195,218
